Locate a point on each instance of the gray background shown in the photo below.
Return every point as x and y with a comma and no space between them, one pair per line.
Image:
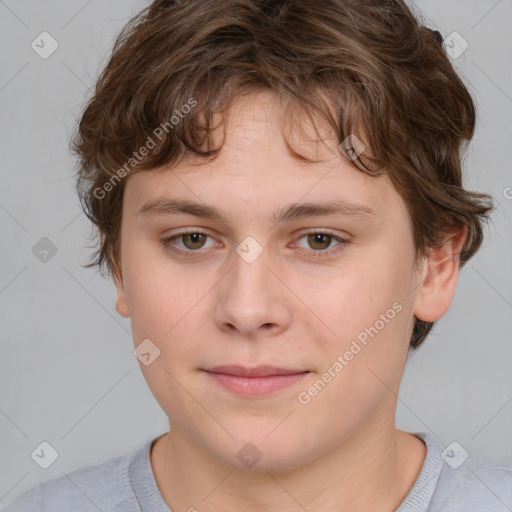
68,375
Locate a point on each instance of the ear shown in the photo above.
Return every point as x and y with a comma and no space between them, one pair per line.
440,275
121,303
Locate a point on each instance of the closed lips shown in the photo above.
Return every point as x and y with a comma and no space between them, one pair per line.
259,371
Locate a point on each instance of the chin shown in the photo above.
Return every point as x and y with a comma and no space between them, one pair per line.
256,450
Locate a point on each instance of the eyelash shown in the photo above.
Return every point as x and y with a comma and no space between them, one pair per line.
169,245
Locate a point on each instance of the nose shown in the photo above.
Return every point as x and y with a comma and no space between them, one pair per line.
252,300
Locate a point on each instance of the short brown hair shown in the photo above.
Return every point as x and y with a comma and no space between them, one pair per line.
368,67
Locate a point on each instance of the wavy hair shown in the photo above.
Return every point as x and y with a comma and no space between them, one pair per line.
369,68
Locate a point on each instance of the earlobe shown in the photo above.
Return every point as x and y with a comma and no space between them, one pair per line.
121,303
439,278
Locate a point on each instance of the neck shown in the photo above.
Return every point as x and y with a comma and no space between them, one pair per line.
374,468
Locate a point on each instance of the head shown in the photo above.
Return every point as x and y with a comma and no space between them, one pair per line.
251,109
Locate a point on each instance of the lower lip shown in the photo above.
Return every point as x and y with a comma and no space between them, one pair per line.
256,386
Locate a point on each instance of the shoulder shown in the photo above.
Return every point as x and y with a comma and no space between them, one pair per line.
106,486
473,483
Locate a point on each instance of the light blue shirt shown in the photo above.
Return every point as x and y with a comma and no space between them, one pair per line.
448,482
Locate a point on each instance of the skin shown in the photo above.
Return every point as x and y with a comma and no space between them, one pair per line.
340,451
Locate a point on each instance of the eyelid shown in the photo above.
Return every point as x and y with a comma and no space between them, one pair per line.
342,241
325,231
203,231
187,231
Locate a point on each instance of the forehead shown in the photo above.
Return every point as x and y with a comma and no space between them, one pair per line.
256,172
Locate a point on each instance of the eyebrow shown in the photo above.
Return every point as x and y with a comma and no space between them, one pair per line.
166,206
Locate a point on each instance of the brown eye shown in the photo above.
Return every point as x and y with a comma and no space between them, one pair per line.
197,240
187,243
319,241
319,244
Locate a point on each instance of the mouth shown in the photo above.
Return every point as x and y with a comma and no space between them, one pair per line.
257,381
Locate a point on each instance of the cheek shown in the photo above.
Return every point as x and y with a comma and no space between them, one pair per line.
364,359
365,315
351,299
160,292
166,310
171,310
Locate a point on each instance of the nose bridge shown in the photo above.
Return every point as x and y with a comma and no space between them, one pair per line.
250,277
250,295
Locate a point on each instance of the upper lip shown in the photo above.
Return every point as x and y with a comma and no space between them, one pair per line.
257,371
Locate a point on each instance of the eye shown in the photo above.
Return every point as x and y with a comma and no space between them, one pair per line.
320,241
193,240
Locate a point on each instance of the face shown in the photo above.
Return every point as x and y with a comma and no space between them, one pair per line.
329,297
